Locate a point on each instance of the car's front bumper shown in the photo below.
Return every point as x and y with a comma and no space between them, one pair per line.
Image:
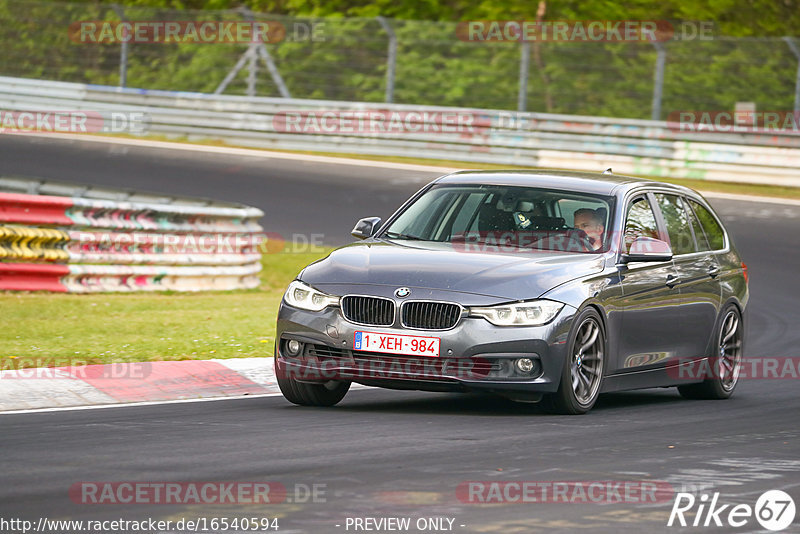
475,355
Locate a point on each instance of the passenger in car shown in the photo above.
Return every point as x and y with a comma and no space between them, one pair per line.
593,223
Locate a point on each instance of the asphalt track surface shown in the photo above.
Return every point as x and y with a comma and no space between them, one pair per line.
403,454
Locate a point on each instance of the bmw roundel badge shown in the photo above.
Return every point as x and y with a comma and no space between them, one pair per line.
402,292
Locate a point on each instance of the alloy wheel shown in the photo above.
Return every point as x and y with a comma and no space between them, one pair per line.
730,351
587,361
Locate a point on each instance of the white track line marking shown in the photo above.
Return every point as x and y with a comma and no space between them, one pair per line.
267,154
129,404
354,387
750,198
248,152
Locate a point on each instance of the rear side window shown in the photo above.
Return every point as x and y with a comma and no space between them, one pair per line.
640,222
714,232
678,225
699,233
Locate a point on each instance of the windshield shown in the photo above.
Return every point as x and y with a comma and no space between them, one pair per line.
511,216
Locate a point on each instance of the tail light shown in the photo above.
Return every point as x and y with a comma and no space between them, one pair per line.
744,272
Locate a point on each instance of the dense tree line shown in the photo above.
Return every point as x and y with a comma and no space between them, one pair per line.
736,18
745,61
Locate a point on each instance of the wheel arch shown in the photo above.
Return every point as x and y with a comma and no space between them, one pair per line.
736,302
592,303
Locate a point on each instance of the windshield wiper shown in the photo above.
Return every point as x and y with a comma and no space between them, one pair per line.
397,235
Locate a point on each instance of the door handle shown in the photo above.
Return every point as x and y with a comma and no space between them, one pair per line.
713,271
673,280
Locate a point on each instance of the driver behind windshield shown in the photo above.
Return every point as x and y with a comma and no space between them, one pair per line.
593,223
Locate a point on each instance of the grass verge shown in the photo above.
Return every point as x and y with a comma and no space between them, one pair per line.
50,330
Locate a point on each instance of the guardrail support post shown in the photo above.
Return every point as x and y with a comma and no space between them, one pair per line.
524,66
796,51
123,51
658,79
391,59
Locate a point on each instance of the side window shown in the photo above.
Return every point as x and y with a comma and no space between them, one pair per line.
419,218
639,222
714,232
678,225
699,233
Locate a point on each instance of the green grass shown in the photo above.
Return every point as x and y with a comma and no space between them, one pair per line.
46,330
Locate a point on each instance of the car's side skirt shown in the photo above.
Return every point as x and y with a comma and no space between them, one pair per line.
650,378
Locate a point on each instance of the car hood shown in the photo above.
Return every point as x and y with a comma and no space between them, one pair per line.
512,275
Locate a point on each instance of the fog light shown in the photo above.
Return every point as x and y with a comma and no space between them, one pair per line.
525,365
293,347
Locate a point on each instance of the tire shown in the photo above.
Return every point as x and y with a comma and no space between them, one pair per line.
726,361
307,394
582,375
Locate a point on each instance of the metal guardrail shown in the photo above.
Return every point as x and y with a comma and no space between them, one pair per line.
79,239
629,146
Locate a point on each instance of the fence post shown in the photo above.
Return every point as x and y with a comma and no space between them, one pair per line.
273,70
123,51
391,59
524,66
254,51
796,51
252,71
234,71
658,79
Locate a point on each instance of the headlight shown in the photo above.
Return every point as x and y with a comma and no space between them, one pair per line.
531,313
306,297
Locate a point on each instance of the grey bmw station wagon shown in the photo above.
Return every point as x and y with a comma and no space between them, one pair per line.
539,286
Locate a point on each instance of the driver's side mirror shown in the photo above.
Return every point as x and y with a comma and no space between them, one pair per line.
647,249
366,227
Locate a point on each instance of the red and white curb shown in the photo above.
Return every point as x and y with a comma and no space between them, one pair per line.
137,382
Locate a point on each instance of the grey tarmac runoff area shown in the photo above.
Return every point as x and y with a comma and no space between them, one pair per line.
407,455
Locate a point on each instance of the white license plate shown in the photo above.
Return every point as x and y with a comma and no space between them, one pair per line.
396,344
